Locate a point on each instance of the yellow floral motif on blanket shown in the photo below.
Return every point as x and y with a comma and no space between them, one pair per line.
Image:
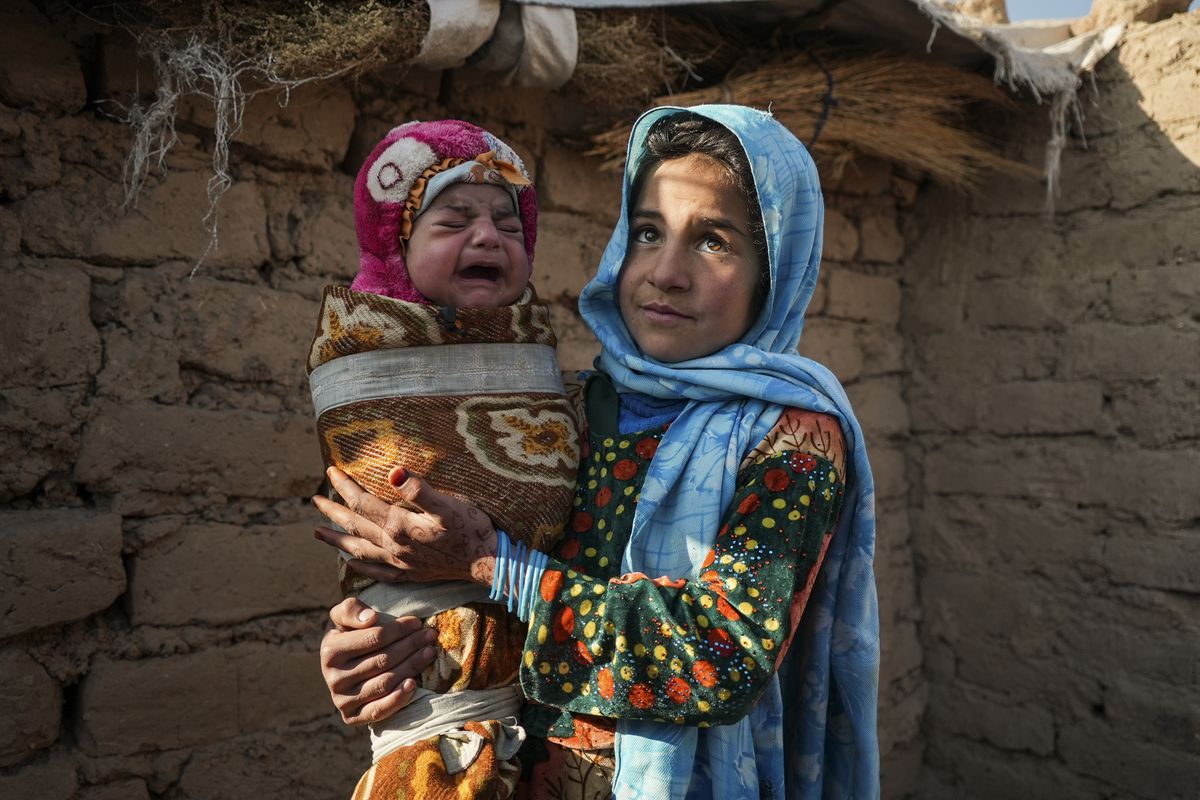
520,443
546,442
367,448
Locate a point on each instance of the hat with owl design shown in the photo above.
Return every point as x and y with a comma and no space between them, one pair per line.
401,177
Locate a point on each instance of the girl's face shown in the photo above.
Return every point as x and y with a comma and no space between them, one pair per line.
686,288
468,249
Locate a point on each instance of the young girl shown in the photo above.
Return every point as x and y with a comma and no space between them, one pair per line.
439,359
718,460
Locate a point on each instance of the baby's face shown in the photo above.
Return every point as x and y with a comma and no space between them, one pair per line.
468,250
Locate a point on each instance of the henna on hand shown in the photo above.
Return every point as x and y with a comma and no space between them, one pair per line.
431,537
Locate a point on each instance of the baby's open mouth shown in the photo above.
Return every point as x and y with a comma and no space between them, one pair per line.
480,272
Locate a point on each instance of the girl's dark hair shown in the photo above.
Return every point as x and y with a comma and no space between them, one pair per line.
685,133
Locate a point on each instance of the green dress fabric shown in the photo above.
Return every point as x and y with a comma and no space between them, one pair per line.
695,651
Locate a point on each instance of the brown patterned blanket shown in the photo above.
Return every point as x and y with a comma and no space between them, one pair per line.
471,400
480,437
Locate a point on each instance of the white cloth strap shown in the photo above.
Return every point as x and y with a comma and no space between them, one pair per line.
459,369
422,599
430,714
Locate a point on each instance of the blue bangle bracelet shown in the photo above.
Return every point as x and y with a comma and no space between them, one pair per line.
498,572
517,575
523,599
533,578
523,554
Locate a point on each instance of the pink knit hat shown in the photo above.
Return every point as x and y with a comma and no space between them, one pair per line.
391,187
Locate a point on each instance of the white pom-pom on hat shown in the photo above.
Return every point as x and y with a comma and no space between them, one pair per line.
391,176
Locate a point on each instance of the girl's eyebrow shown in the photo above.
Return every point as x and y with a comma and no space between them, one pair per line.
723,224
720,223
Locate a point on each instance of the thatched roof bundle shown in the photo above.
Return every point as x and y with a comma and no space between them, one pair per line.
290,39
845,103
804,59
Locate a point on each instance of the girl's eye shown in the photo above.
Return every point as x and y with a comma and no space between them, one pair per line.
646,235
715,244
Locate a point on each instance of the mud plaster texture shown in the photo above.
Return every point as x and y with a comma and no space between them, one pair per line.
1054,393
162,596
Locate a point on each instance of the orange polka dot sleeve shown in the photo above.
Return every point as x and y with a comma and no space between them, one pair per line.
696,651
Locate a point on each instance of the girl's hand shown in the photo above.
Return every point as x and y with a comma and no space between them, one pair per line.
369,662
442,539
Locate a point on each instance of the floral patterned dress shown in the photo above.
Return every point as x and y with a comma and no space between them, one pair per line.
603,645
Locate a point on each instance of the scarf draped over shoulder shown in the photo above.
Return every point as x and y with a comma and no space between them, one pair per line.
829,682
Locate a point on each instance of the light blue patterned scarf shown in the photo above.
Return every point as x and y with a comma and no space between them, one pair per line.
827,747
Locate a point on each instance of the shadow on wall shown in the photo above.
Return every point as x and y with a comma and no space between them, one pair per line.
1055,400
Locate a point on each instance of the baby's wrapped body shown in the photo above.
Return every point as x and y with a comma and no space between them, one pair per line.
473,401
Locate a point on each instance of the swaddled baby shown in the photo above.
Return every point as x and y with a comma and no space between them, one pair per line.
439,359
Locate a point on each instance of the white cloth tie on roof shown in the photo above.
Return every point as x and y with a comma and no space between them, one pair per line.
551,47
457,28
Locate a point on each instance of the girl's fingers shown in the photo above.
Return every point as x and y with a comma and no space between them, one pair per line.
397,476
416,491
358,500
353,614
374,688
388,684
443,538
346,519
421,657
396,520
342,650
356,546
403,659
384,707
379,572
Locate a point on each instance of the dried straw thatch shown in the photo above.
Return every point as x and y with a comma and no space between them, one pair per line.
708,49
288,39
897,108
619,64
627,57
225,52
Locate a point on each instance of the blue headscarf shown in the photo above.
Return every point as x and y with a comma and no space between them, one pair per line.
828,686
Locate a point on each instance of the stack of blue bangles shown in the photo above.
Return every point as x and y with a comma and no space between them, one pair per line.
517,575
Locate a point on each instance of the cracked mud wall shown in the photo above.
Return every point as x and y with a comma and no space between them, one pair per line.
162,596
1055,401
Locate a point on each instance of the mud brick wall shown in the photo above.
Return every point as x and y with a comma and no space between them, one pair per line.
1054,395
162,596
